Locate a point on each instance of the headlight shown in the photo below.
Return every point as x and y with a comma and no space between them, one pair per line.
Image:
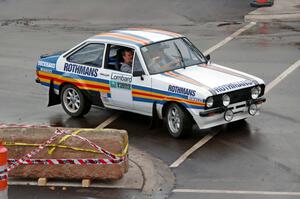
226,100
259,89
254,93
209,102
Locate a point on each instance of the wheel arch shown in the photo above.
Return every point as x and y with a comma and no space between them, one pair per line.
180,104
92,96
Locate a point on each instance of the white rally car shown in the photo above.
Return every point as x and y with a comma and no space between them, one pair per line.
169,79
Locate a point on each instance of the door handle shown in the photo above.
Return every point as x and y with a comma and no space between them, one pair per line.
104,74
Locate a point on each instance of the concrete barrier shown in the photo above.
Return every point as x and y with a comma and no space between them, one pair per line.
76,156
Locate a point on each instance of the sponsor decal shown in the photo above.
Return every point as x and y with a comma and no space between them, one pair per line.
47,70
181,90
121,85
195,99
81,70
46,64
232,86
121,77
120,81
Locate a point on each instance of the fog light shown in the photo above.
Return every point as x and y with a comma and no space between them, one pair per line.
228,115
252,109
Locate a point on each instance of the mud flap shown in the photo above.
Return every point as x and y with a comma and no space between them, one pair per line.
155,121
54,99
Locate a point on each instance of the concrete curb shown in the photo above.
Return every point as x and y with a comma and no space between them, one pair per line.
281,11
272,18
159,180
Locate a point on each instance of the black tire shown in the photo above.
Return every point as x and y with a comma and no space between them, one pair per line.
73,101
178,122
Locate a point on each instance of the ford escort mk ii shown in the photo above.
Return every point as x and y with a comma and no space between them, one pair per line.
151,72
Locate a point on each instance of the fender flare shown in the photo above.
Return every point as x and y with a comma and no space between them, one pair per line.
53,99
155,120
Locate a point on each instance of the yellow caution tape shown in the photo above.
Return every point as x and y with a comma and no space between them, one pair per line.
124,152
50,145
50,151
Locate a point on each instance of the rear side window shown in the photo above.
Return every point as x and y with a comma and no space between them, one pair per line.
91,55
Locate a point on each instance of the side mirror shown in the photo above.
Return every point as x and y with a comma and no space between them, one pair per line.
207,57
138,73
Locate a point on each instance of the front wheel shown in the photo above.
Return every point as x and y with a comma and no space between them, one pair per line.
177,121
73,101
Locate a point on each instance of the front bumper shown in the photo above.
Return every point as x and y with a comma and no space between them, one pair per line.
215,117
223,109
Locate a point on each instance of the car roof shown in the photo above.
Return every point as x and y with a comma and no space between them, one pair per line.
136,36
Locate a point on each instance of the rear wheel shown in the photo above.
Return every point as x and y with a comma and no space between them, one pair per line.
73,101
177,121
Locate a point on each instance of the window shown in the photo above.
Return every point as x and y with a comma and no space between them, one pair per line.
119,58
91,55
171,55
137,64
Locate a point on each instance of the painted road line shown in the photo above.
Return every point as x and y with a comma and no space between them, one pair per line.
283,75
216,191
229,38
196,146
109,120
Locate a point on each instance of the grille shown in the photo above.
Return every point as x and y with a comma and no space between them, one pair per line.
236,96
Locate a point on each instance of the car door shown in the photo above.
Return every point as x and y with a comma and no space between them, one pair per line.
119,82
141,88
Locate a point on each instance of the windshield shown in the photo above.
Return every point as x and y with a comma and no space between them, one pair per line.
171,55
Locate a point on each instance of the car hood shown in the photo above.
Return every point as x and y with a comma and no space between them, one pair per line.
212,78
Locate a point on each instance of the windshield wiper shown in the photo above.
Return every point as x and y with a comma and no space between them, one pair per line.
181,58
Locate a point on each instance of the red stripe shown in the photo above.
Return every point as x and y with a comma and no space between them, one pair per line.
70,161
102,161
76,83
91,161
146,94
50,162
81,161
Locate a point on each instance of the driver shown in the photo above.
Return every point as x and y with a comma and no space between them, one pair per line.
126,65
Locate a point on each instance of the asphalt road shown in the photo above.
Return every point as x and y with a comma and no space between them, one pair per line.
257,155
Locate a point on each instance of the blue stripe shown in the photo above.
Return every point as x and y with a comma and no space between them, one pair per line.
144,100
48,85
163,101
51,59
159,91
76,76
193,106
118,40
